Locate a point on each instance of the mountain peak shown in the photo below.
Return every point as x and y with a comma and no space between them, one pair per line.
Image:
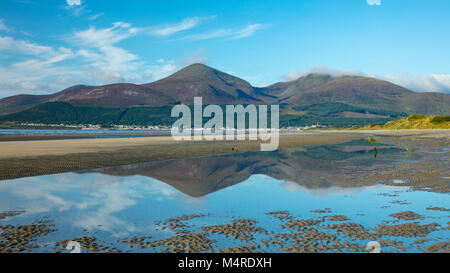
199,66
194,70
311,76
201,80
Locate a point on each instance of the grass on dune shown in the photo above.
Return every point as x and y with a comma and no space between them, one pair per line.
414,122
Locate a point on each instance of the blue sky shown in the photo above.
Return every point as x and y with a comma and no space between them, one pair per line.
46,46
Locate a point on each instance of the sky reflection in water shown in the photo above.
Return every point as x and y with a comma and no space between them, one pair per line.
110,206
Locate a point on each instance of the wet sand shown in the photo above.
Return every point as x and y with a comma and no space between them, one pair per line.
322,234
426,133
23,137
15,146
12,149
38,157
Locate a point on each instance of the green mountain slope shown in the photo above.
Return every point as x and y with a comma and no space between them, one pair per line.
65,113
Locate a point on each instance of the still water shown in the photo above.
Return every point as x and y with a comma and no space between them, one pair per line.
89,133
295,199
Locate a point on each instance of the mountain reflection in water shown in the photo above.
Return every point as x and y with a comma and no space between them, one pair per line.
313,167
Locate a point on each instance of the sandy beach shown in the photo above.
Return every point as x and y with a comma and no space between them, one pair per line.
38,157
14,149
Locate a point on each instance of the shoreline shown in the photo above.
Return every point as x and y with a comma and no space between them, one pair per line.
429,133
24,158
11,137
40,157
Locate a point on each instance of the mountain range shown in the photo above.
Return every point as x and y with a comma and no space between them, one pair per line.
312,98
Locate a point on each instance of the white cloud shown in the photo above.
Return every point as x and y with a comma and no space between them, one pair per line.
97,56
210,35
295,74
57,56
22,46
194,57
104,76
374,2
174,28
163,68
66,80
3,27
42,55
322,192
101,201
157,71
107,62
95,16
96,59
93,37
33,67
76,8
419,83
73,2
39,78
247,31
27,85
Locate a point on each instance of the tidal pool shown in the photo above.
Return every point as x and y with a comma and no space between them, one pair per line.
327,198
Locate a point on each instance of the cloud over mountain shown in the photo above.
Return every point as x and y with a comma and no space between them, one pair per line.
419,83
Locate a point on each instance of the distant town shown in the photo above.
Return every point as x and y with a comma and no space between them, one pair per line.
138,127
